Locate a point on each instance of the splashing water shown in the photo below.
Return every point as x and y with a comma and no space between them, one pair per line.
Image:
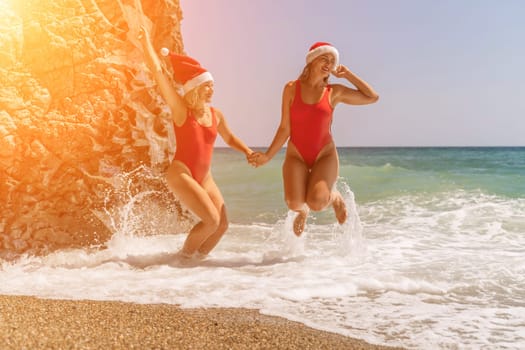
433,266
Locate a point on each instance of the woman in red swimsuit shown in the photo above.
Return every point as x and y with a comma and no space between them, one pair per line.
196,126
311,164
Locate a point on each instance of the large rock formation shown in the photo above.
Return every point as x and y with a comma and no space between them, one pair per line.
82,129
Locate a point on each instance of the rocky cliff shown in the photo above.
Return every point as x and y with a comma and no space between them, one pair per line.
83,131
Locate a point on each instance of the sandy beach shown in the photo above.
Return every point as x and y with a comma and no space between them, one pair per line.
32,323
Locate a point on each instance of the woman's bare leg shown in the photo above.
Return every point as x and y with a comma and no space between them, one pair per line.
295,180
321,190
215,194
198,201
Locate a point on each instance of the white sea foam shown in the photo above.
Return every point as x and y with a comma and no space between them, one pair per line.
440,271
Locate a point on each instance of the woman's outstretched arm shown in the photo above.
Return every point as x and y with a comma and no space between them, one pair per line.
283,131
228,136
168,91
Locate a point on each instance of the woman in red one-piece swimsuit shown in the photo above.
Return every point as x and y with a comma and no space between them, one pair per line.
196,126
311,165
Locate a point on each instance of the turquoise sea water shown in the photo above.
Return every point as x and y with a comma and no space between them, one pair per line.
376,174
432,256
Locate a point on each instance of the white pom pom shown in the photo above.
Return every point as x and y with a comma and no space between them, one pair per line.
164,51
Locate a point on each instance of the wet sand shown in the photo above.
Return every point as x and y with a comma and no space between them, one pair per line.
32,323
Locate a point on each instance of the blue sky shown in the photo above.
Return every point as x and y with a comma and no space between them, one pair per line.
449,73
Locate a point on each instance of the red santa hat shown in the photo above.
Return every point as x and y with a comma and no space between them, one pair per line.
187,71
320,48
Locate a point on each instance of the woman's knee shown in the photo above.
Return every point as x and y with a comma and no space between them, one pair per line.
318,200
223,222
212,220
223,225
294,204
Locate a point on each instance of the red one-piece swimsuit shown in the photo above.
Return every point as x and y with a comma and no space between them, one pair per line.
195,145
310,125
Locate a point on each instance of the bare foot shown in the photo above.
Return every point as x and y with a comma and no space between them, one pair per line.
300,222
340,208
184,255
183,259
200,256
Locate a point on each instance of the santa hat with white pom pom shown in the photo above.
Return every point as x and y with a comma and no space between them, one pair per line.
187,71
320,48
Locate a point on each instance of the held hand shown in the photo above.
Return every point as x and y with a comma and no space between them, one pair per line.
251,158
340,71
257,159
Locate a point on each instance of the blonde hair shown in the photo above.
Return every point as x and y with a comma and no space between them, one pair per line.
305,74
193,100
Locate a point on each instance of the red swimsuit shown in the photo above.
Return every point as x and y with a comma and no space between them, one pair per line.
195,145
310,125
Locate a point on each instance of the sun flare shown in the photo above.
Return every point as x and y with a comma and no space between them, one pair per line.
4,6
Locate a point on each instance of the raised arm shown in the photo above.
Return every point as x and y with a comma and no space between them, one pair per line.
364,94
228,136
168,91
